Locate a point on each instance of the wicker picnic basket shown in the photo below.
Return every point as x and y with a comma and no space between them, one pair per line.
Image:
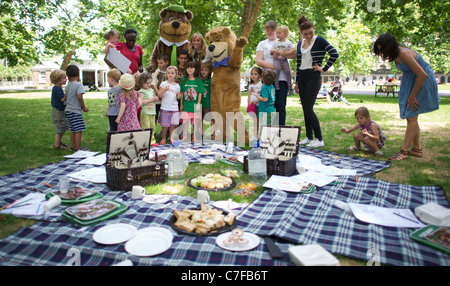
127,162
280,144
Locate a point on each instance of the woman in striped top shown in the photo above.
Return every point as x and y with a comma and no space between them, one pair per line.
310,55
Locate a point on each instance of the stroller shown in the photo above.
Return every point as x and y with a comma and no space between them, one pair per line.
336,92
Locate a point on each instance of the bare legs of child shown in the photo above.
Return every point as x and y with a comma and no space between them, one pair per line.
369,142
412,136
164,134
75,138
58,143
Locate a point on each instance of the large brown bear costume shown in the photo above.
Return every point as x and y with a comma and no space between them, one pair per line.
226,52
175,29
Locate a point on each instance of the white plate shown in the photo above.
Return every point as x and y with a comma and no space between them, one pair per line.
206,152
226,205
148,244
114,233
155,199
155,229
253,239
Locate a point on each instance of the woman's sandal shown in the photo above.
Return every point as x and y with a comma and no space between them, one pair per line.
401,155
415,152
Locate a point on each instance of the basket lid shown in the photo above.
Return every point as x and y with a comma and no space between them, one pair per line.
128,147
280,140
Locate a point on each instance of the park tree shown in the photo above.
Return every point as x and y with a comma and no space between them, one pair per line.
422,25
19,25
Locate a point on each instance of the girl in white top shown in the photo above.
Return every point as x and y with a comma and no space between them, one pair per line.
169,93
254,89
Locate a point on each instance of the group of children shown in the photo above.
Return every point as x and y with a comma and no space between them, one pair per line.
174,95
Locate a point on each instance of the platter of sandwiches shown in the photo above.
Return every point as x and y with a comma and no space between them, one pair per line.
205,221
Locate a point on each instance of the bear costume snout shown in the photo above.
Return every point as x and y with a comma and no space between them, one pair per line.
176,24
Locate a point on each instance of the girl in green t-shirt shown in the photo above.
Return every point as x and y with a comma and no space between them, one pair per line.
192,90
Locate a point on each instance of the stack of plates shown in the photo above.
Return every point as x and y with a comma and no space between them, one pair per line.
149,242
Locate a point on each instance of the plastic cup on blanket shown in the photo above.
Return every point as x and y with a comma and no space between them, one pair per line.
64,184
52,203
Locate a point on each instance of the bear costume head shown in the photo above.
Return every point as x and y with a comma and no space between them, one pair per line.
175,23
222,42
175,30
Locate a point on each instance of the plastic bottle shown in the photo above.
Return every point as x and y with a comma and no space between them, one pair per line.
175,164
257,169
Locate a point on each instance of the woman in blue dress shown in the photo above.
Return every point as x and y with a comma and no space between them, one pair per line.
418,90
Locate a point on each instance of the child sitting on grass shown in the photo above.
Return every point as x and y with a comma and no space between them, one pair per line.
58,78
370,133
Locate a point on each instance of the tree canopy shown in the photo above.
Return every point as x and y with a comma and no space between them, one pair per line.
350,25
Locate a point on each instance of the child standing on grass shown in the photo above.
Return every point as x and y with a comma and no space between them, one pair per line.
370,133
129,101
267,97
75,107
158,77
169,93
192,90
205,76
113,94
148,99
254,88
58,78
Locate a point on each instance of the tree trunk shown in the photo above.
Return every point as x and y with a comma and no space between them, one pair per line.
67,59
251,12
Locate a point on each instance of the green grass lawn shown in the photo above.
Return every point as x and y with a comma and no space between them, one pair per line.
27,136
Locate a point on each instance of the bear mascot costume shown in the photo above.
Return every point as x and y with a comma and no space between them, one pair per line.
175,29
226,51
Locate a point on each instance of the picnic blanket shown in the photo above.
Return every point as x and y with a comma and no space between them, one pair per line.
313,219
52,241
364,167
58,242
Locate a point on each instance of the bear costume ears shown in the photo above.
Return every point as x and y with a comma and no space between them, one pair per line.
176,9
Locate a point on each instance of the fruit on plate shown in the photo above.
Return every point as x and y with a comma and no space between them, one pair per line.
211,181
230,173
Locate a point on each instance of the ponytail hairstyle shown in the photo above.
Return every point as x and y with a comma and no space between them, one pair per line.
304,23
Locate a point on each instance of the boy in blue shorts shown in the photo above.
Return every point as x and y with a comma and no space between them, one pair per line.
75,106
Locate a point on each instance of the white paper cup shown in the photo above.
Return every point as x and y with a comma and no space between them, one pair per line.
64,184
52,203
202,197
137,192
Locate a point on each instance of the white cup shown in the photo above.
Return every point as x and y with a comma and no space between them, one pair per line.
51,203
64,184
137,192
202,197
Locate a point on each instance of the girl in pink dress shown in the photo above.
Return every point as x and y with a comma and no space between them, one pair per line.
129,101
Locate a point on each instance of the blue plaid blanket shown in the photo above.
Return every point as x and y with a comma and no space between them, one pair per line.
53,241
364,167
313,219
295,219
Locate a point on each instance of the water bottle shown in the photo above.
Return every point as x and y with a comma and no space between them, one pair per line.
175,165
257,169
